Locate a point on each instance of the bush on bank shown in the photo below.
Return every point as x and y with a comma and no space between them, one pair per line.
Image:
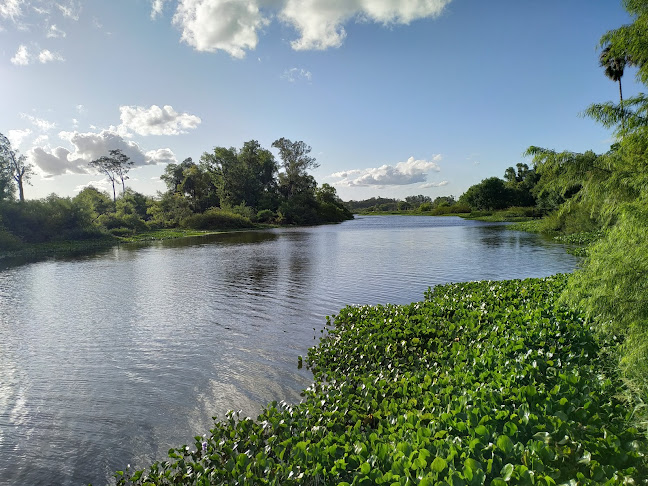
483,383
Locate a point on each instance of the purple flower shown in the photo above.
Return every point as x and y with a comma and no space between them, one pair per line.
204,447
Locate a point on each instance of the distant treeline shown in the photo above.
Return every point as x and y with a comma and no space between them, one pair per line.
420,203
228,188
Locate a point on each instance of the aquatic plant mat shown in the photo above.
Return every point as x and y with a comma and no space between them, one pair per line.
483,383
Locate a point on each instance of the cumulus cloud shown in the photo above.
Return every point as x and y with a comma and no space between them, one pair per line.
21,58
321,25
46,56
17,136
296,74
404,173
43,125
90,146
156,120
228,25
56,162
234,25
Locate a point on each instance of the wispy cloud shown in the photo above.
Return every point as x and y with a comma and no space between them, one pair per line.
297,74
54,32
41,124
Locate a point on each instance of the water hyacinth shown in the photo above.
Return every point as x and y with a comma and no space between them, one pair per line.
483,383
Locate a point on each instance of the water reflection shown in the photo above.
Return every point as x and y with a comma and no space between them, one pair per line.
111,359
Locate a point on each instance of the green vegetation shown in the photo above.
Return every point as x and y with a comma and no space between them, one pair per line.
412,205
230,189
483,383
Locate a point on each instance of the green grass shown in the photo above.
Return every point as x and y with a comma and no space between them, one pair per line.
482,383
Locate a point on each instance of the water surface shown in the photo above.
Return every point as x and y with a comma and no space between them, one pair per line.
111,359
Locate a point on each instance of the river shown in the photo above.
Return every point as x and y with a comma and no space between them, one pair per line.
113,358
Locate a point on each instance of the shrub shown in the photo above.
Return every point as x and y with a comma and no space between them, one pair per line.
265,216
216,219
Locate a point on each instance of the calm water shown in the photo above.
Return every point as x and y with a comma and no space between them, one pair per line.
112,359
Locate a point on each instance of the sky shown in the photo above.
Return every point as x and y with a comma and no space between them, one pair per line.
395,97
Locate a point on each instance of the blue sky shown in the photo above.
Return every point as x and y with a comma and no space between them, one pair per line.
396,97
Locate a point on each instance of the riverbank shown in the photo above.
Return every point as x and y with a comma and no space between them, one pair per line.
38,251
482,383
510,215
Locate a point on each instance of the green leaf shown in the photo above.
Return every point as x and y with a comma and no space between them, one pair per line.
505,444
507,472
439,464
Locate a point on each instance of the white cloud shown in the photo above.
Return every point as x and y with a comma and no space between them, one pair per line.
234,25
71,10
22,56
55,33
156,8
46,56
90,146
161,156
403,173
156,120
17,136
40,10
228,25
320,23
56,162
10,9
296,74
43,125
433,184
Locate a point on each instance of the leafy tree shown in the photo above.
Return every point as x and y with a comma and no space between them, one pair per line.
15,166
95,202
245,176
330,206
416,201
192,181
489,194
404,206
295,163
521,183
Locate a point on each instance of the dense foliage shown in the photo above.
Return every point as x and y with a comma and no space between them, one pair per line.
228,189
483,383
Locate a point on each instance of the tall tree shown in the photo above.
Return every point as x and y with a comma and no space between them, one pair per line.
614,67
106,166
123,165
295,163
15,165
115,167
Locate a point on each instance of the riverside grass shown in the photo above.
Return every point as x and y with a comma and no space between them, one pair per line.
483,383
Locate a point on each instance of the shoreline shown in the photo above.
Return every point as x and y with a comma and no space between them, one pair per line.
481,383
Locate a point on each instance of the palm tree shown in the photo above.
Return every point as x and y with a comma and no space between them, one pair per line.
614,67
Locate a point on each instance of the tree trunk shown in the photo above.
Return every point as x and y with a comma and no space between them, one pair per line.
621,105
114,194
21,192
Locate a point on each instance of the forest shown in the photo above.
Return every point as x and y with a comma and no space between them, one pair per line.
228,188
